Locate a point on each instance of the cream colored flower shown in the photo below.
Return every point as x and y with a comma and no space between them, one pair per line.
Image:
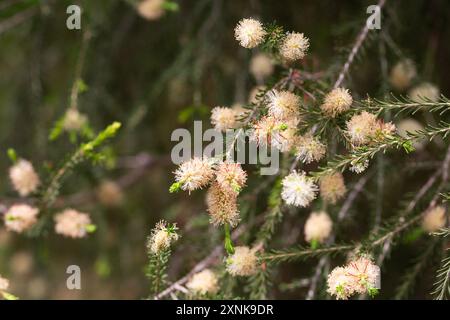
222,206
364,273
223,118
294,46
309,148
360,275
163,235
203,282
402,74
298,190
283,105
110,194
434,219
425,92
318,227
250,33
243,262
72,223
362,127
20,217
340,284
336,102
332,187
23,177
74,120
194,174
261,66
231,176
151,9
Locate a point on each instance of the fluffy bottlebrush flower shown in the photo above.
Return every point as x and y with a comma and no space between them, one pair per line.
359,276
283,105
364,273
294,46
222,206
20,217
336,102
243,262
309,149
162,236
194,174
110,194
23,177
73,224
223,118
424,92
74,120
340,284
402,74
332,187
412,126
230,176
362,127
250,33
203,282
318,227
434,219
298,190
261,66
151,9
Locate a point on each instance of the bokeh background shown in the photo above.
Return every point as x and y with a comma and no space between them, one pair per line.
153,77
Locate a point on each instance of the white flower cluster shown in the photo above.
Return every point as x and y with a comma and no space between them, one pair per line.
360,276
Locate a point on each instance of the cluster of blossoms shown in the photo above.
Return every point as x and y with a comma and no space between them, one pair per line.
73,224
434,219
22,217
298,189
226,180
251,33
162,236
203,282
360,276
365,128
318,227
243,262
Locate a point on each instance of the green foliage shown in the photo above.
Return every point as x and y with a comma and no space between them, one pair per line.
156,271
